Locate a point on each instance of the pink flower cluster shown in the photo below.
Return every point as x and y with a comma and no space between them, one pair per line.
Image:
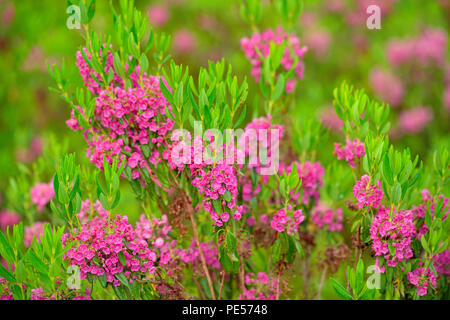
368,194
215,184
258,134
210,174
328,218
427,49
392,228
184,41
107,247
414,120
156,233
191,255
287,220
311,175
260,42
351,151
5,290
261,287
158,14
125,121
8,218
41,194
421,279
35,230
387,86
441,262
331,120
91,78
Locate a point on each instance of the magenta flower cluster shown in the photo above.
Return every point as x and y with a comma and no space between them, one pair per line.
126,121
215,184
41,194
259,43
258,134
351,151
311,175
368,194
287,220
8,218
261,287
392,228
35,230
105,246
429,48
327,218
414,120
422,278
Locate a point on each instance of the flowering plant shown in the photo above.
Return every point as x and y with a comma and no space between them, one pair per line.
184,194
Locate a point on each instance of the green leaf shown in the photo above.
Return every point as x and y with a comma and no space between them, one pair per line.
7,275
340,290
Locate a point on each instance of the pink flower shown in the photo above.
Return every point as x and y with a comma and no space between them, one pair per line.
158,15
260,42
414,120
41,194
287,220
392,228
421,278
323,217
8,218
368,195
331,120
184,41
351,151
387,86
35,230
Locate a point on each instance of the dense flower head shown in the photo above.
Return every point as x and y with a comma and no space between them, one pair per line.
41,194
91,78
367,193
327,218
422,278
260,42
191,256
287,220
392,229
351,151
105,246
260,287
35,230
156,233
426,49
184,41
8,218
441,262
260,134
158,14
311,176
126,120
387,86
211,173
414,120
218,184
